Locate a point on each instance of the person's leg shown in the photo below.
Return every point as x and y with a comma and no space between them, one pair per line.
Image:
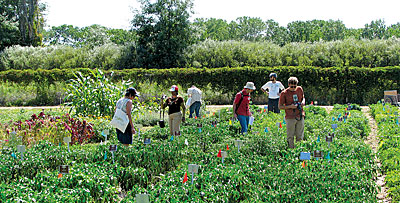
270,105
243,123
170,120
276,107
290,130
197,108
191,110
299,132
247,123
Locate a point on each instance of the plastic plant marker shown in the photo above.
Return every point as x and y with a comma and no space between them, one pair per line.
223,155
304,164
266,130
172,138
13,155
227,147
67,140
186,142
60,175
333,118
305,156
113,148
64,169
142,198
199,130
284,121
265,110
193,169
334,126
238,143
328,157
230,122
219,154
21,149
147,141
105,155
318,139
317,154
185,178
280,125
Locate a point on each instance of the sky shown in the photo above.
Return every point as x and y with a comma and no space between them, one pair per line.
119,13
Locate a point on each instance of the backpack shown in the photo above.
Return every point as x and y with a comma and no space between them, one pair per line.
240,101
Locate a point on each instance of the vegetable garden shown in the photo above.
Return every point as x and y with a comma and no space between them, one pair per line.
262,170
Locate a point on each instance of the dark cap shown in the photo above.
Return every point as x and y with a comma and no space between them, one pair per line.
132,91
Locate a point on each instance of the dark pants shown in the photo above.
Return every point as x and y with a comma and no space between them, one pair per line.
195,107
273,105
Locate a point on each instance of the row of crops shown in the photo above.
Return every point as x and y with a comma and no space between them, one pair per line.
263,170
388,119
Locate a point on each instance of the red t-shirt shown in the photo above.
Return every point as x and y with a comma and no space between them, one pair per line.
286,98
243,109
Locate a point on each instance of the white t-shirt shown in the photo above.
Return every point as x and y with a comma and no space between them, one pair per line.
273,89
196,94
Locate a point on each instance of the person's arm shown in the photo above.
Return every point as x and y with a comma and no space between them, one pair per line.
283,106
163,104
303,102
129,113
183,110
264,88
235,102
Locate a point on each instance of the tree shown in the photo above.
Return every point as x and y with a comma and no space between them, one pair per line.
375,30
250,29
163,31
21,22
214,29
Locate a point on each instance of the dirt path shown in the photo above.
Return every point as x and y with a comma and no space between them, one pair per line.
373,141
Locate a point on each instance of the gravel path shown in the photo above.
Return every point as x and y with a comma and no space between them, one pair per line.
373,141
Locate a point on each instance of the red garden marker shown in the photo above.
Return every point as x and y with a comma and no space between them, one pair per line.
280,125
312,103
185,178
219,153
60,175
304,164
227,147
265,110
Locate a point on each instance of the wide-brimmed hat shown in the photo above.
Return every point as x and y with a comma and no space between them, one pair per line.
250,85
174,88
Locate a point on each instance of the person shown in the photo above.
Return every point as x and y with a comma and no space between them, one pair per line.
125,104
292,100
274,87
195,94
175,104
241,106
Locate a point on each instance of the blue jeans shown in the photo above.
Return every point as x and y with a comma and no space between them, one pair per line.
195,107
244,122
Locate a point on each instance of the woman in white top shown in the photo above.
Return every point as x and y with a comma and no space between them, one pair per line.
125,104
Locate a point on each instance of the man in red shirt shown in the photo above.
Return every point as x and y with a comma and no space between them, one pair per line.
241,106
292,100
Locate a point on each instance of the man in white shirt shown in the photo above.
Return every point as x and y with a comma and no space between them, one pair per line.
195,94
274,88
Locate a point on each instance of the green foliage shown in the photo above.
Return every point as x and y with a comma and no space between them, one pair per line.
94,94
325,85
348,52
163,30
90,36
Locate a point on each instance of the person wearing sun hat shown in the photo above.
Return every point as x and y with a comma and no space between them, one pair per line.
175,104
125,104
241,106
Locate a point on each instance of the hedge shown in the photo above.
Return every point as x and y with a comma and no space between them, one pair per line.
326,85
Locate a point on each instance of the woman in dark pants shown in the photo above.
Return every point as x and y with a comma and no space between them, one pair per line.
125,104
